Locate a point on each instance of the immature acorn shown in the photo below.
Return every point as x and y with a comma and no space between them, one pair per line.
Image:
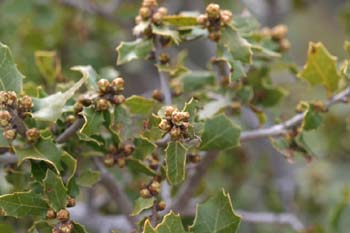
154,187
226,17
149,3
3,97
11,98
9,134
33,134
169,111
26,103
5,118
71,202
118,99
103,85
164,125
128,148
70,119
145,13
118,84
51,214
109,160
163,11
121,162
161,206
202,20
78,107
102,104
279,32
65,227
158,95
63,215
85,100
175,133
157,18
213,11
145,193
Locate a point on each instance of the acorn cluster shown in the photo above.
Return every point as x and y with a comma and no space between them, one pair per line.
63,216
214,19
149,11
153,161
176,123
158,95
151,189
12,108
109,93
118,155
279,35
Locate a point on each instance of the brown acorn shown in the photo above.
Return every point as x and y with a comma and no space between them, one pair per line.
103,85
157,18
213,11
163,11
63,215
164,125
128,148
102,104
70,119
26,103
121,162
226,17
32,134
50,214
145,193
11,98
158,95
175,133
161,206
71,202
9,134
279,32
202,20
145,13
5,118
118,84
169,111
109,160
154,187
78,107
65,227
149,3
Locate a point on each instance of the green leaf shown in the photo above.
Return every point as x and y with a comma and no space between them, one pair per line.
321,67
89,74
88,178
239,48
39,169
143,147
93,122
55,190
196,80
138,166
3,141
167,32
6,228
191,107
312,119
147,227
171,223
138,49
50,108
10,77
48,64
216,215
140,105
180,20
213,107
78,228
220,134
44,150
175,162
23,204
40,227
142,204
70,166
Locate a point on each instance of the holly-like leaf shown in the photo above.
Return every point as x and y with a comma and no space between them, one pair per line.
147,227
88,178
137,166
140,105
213,107
216,215
10,77
78,228
142,204
44,150
167,32
40,227
321,67
191,108
312,119
138,49
220,134
170,223
51,107
49,65
70,164
143,147
6,228
23,204
175,162
89,74
239,47
93,121
180,20
55,190
196,80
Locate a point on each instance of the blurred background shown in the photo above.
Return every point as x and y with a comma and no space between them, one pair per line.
259,179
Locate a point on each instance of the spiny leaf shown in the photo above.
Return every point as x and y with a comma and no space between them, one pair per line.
220,134
78,228
147,227
167,32
142,204
175,162
143,147
216,215
138,49
40,227
138,166
171,223
321,67
51,107
89,74
196,80
93,121
55,190
10,77
44,150
23,204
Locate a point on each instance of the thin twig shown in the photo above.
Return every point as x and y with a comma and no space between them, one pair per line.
70,131
118,195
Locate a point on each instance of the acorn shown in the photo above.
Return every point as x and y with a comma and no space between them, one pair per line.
138,19
84,100
154,187
63,215
32,134
194,158
149,3
163,11
65,227
158,95
71,202
157,18
175,133
5,118
145,13
169,111
9,134
108,160
78,107
161,206
70,119
265,32
202,20
118,99
279,32
128,148
121,162
102,104
226,17
164,125
145,193
284,45
50,214
3,97
103,85
154,164
177,118
213,11
215,36
11,98
26,103
118,84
